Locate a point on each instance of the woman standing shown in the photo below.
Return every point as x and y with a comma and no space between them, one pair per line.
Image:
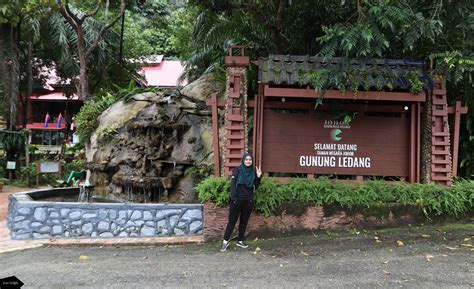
245,180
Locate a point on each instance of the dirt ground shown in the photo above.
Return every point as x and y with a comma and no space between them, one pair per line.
421,257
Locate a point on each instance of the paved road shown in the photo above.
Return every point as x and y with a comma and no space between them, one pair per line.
430,257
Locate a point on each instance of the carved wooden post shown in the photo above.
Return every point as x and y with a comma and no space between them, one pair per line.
236,128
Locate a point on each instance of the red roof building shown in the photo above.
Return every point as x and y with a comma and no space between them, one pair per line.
47,133
159,72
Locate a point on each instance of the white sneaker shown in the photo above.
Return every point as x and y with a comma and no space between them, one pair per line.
242,244
225,244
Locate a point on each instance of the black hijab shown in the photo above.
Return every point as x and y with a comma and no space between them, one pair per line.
246,174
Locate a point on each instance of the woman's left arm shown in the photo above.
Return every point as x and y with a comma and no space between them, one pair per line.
258,177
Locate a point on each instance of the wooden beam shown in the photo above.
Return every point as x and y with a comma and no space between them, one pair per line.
215,134
255,128
308,106
336,94
457,121
418,141
260,124
412,145
272,104
220,102
451,110
236,61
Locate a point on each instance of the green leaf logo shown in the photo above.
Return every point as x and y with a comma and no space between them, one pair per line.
335,134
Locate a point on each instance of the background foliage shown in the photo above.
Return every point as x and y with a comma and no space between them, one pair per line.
200,32
439,32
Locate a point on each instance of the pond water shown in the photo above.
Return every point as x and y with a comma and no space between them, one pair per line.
66,196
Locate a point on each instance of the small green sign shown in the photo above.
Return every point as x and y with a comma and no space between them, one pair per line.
11,165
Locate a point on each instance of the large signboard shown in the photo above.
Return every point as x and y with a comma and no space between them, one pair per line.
308,142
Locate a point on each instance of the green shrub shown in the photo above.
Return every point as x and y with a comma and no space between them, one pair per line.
75,165
215,190
430,198
86,120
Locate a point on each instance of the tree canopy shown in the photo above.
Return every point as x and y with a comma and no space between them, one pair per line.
439,32
35,33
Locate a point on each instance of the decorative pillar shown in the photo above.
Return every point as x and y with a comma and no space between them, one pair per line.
441,162
236,124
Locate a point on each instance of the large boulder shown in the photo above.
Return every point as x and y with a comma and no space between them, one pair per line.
202,88
143,148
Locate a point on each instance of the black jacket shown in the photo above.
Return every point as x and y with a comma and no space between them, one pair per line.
241,192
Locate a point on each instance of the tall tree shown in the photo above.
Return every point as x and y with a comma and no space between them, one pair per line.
10,24
76,20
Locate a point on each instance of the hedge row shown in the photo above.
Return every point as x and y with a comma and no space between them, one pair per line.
432,199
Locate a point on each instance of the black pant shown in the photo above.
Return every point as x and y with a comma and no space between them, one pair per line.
242,208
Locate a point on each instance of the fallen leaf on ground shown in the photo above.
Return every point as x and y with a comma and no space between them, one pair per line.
400,243
466,245
305,253
83,257
386,272
257,250
429,257
256,239
385,262
377,240
146,257
451,248
425,236
467,239
279,255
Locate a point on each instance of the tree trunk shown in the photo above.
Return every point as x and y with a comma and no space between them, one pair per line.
6,71
122,28
14,65
76,22
12,74
67,121
425,154
2,71
29,73
83,80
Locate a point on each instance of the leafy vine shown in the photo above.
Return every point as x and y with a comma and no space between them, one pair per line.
416,85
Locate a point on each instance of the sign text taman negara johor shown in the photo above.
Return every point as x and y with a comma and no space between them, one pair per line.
305,143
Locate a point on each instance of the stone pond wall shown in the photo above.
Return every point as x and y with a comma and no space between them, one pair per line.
29,219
